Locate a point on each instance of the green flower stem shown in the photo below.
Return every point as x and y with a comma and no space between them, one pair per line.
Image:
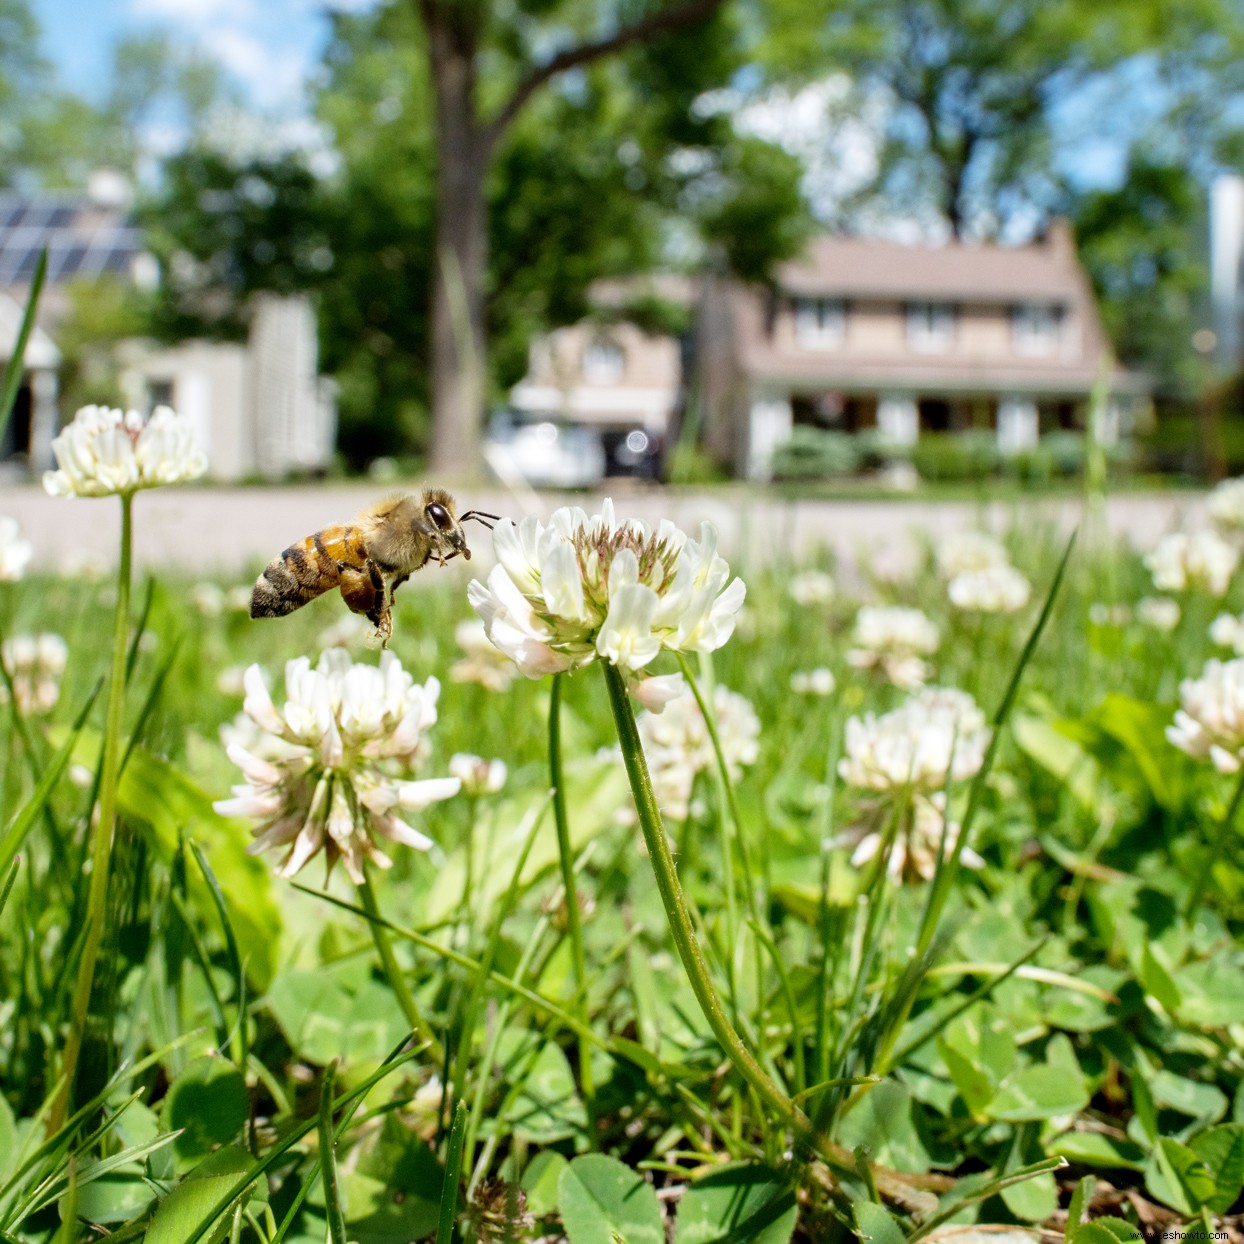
1215,849
689,951
573,923
101,843
393,973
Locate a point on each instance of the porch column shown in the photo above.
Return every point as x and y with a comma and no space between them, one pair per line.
44,417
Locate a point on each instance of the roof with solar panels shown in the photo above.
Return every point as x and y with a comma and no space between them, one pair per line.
85,237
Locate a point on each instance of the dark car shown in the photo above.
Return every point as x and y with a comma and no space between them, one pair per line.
633,452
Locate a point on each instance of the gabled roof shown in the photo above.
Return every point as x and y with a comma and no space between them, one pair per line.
41,351
846,267
84,238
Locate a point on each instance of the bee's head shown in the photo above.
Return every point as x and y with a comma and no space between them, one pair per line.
440,513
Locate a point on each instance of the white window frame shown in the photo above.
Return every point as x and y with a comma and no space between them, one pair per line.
1035,328
931,326
820,323
604,361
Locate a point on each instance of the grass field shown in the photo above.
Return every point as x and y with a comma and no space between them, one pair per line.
972,974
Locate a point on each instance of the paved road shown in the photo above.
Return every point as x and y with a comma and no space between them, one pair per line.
233,530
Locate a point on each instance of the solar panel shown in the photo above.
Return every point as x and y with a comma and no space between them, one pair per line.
82,238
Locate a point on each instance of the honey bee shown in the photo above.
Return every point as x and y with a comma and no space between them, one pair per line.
368,559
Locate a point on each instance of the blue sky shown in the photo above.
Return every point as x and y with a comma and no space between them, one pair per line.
269,46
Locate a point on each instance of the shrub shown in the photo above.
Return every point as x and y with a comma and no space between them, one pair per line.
956,456
815,453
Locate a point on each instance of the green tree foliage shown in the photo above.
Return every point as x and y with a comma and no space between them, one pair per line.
1143,246
597,177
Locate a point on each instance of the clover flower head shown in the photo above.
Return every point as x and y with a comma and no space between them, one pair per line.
811,587
1158,612
1209,725
15,551
677,745
1102,614
35,663
482,662
966,552
819,681
325,771
585,588
938,733
995,589
208,598
893,641
477,775
1227,631
913,856
106,451
1200,561
1226,506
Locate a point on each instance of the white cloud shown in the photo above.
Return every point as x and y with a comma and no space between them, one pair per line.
194,12
272,76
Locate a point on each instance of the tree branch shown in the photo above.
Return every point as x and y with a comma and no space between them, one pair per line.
682,15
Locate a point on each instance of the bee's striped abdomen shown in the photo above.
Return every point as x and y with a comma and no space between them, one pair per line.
306,570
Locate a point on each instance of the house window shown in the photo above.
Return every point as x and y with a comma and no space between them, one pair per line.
1034,328
159,393
604,361
930,326
820,322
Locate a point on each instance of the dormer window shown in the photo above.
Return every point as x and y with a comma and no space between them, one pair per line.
930,326
604,361
1035,328
820,323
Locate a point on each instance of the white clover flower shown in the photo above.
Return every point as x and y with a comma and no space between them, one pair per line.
1210,723
995,589
1159,612
323,771
482,662
811,587
678,746
938,733
583,589
914,854
477,775
35,663
1227,631
1226,506
893,641
208,599
819,681
1201,561
965,552
15,552
105,451
349,631
1101,614
232,680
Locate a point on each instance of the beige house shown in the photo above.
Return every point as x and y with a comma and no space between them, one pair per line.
609,375
865,334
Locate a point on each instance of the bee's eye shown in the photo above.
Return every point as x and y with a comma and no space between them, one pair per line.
440,516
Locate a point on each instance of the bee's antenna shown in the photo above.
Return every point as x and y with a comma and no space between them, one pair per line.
484,520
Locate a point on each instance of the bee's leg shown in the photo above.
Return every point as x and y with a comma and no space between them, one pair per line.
359,591
394,586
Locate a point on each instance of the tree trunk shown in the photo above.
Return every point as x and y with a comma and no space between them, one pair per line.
458,363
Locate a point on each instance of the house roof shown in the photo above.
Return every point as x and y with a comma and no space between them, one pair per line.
41,351
83,237
833,266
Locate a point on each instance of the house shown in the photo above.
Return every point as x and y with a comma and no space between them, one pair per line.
907,340
260,407
608,372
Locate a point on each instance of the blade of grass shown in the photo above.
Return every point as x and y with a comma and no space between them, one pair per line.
24,821
992,1188
9,878
453,1176
16,365
328,1159
261,1166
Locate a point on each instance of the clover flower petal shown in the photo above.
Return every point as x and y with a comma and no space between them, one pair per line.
35,664
992,589
583,588
327,770
894,642
966,552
